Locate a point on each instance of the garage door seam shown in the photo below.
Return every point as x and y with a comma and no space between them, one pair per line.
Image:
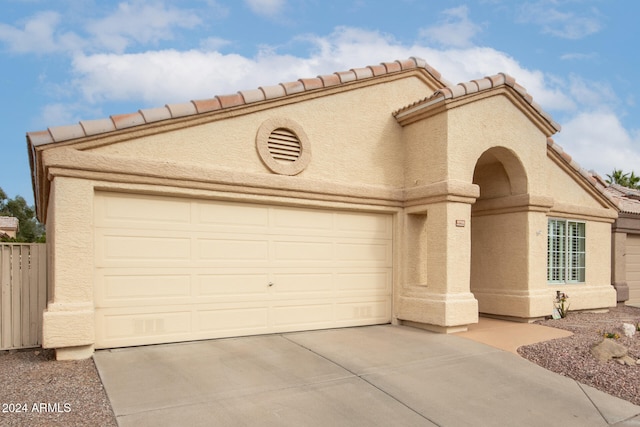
362,378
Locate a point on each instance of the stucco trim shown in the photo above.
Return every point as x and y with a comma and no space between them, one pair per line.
441,103
510,204
566,163
262,139
566,210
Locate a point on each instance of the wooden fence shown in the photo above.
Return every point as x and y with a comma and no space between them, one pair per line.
23,294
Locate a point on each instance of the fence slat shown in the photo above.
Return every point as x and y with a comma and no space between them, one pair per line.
23,294
5,296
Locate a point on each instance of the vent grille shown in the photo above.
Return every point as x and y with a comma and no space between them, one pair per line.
284,145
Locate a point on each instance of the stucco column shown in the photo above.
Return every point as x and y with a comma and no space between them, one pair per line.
619,266
68,321
436,293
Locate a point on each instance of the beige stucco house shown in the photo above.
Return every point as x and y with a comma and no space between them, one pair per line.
375,195
625,242
9,226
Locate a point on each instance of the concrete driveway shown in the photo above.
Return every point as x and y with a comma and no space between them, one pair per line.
367,376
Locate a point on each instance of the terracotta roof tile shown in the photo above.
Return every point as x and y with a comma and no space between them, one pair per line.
461,89
182,109
590,176
407,64
362,73
206,105
293,87
253,95
392,67
67,132
122,121
625,198
347,76
41,137
310,84
156,114
483,84
330,79
95,127
378,70
232,100
271,92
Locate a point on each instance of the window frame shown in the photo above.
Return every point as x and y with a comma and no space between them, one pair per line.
566,251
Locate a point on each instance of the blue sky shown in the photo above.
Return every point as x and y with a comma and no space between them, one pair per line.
64,61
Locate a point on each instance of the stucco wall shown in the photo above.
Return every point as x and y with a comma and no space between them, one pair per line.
353,137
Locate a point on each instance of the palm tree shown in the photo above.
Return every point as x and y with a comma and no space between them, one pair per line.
629,180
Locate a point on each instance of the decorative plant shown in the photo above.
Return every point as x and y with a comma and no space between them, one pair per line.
561,304
611,335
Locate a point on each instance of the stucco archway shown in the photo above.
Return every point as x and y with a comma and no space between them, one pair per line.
499,250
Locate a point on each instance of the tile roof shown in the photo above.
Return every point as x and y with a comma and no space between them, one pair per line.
627,199
8,222
591,177
475,86
220,102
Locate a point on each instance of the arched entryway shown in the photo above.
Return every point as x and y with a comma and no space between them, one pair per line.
499,236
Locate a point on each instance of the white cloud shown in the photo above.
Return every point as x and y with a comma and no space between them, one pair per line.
455,30
268,8
598,141
39,34
552,20
157,77
139,22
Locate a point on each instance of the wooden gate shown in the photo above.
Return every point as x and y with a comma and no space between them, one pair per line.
23,294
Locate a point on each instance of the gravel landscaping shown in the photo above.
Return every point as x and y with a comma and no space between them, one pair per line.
571,356
36,390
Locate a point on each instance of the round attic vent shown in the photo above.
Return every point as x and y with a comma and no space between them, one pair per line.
283,146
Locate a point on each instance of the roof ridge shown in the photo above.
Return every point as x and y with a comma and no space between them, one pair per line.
594,179
220,102
480,85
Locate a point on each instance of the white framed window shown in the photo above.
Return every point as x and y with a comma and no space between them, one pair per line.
566,251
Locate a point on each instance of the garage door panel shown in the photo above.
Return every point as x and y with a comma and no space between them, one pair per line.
233,249
376,283
143,248
303,251
302,221
632,260
227,216
208,277
117,325
363,313
355,224
141,211
144,286
232,285
226,322
369,252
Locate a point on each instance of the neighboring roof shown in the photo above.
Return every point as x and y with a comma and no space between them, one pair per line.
220,102
475,86
9,222
627,199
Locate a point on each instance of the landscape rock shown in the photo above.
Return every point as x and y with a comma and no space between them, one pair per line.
629,329
608,349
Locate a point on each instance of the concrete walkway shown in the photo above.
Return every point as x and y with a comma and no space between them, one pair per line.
369,376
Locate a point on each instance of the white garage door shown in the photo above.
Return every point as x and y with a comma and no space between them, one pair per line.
172,269
632,259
